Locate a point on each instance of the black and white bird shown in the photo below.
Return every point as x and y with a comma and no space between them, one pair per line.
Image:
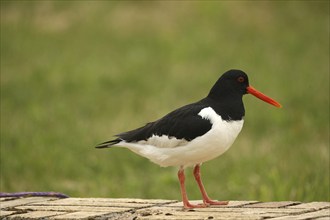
194,133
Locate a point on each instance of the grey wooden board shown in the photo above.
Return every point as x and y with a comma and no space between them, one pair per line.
110,208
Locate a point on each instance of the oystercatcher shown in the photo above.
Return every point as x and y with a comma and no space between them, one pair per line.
194,133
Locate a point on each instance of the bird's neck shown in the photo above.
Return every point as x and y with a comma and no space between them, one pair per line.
228,107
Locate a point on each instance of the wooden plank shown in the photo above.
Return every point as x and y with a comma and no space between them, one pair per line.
323,213
313,205
230,204
272,204
240,203
132,203
4,213
105,201
23,201
256,211
37,214
229,214
242,210
79,215
196,217
74,208
7,198
109,208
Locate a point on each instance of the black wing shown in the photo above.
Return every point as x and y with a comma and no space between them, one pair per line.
182,123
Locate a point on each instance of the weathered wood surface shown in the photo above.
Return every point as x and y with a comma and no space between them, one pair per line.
103,208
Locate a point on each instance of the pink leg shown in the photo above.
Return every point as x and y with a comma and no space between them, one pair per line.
186,203
206,198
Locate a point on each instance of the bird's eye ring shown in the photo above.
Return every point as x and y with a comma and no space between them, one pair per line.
240,79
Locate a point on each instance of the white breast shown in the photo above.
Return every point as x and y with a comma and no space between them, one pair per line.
167,151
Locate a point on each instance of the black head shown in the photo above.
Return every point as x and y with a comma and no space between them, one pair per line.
233,83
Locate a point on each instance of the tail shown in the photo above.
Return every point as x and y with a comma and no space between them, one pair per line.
108,143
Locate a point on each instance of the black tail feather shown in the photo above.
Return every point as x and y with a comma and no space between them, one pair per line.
108,143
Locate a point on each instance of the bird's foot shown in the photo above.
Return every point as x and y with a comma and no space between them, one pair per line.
188,205
210,202
205,204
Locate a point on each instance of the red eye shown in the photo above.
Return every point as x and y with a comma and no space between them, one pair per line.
240,79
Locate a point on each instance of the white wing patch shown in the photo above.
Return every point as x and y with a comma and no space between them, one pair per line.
163,141
209,114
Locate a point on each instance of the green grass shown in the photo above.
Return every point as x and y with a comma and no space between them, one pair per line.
75,73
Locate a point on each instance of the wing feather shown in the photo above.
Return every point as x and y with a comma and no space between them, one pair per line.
183,123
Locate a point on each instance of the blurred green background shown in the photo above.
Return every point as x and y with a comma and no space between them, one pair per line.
74,73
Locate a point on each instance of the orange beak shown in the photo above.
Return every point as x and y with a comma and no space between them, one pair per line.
263,97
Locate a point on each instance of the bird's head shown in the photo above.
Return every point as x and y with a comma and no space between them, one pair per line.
235,83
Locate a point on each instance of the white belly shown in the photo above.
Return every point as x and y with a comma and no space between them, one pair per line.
203,148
